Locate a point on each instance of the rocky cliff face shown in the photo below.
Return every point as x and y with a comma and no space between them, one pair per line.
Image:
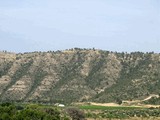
78,75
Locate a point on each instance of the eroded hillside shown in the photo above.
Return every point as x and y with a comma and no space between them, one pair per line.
78,75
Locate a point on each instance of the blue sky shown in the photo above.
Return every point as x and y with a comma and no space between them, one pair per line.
116,25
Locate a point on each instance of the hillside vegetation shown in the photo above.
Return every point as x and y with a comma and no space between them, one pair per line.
78,75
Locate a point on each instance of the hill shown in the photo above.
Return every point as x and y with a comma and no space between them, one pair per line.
78,75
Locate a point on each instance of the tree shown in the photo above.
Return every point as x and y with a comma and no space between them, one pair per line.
119,101
76,114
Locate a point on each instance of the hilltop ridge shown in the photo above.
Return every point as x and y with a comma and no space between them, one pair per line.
78,75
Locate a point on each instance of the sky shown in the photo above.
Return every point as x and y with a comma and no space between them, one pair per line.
115,25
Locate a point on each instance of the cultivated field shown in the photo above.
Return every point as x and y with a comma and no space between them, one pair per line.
95,112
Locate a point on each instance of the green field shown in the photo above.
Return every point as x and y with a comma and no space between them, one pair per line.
96,107
119,112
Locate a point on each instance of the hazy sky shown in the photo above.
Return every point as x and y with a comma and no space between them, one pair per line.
117,25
